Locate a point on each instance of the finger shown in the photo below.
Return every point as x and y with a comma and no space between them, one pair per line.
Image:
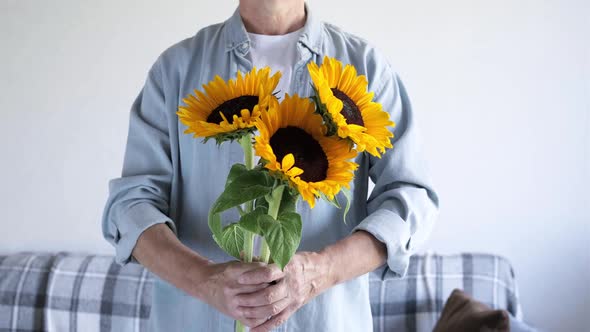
247,289
262,274
252,322
274,321
237,268
269,295
265,310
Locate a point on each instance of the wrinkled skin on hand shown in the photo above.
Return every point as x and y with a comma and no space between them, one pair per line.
222,290
304,278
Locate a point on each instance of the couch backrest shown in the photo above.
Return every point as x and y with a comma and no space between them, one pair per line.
73,292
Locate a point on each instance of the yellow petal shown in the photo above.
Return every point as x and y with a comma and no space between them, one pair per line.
288,162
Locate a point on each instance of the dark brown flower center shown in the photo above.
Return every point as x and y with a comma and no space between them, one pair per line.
232,107
308,153
350,111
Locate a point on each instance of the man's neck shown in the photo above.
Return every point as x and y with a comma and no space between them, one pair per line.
272,17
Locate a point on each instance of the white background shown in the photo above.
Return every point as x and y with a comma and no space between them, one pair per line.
500,88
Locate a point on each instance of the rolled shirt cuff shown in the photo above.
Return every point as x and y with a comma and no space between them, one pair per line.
394,232
137,219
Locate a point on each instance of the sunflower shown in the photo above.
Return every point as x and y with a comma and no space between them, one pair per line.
349,108
227,111
292,142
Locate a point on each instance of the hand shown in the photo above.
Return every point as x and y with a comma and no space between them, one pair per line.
220,287
305,277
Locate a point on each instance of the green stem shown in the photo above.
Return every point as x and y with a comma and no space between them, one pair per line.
275,203
264,251
273,211
248,246
240,327
246,144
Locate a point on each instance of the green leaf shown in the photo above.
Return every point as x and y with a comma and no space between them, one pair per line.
288,202
247,186
348,195
231,136
214,222
235,171
334,201
261,202
283,236
251,221
232,240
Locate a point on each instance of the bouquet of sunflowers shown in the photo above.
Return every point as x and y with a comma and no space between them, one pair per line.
306,147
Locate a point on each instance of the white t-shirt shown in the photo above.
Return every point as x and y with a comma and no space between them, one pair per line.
278,52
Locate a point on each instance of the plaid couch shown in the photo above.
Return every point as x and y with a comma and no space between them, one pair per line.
70,292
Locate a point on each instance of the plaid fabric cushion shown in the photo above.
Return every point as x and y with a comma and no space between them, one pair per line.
65,292
93,293
23,281
415,302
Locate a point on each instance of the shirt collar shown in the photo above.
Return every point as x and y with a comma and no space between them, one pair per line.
237,37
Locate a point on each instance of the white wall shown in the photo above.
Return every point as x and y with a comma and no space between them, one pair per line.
501,89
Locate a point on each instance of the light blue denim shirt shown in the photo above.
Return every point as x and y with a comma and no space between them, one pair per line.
170,177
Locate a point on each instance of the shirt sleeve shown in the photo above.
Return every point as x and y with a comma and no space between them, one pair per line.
403,205
140,197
